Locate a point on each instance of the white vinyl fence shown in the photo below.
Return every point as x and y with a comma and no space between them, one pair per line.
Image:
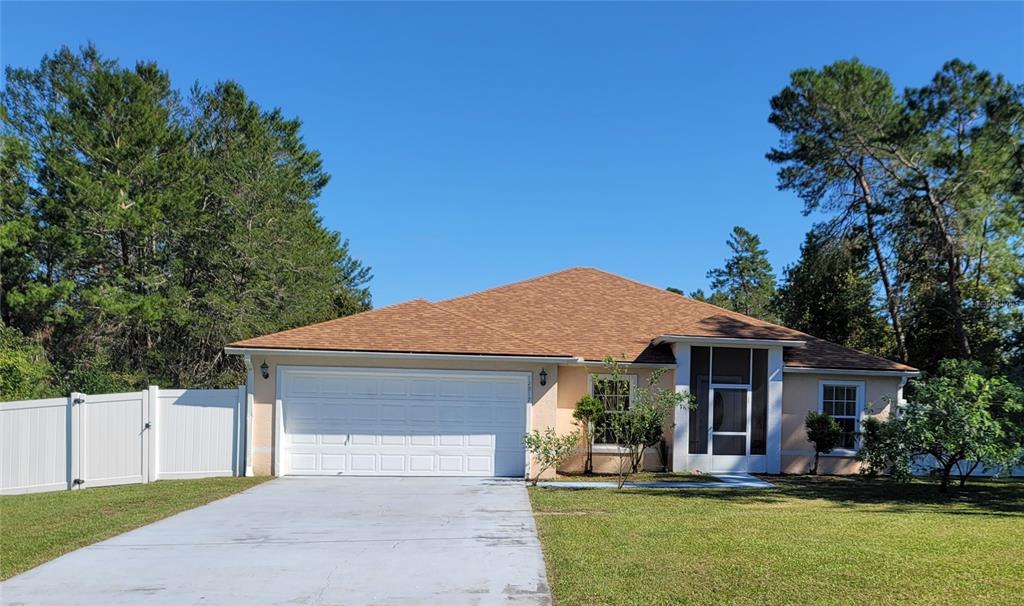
84,441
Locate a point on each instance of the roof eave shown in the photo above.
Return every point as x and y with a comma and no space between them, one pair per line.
285,351
727,341
850,371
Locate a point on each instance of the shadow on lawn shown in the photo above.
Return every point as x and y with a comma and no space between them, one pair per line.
983,497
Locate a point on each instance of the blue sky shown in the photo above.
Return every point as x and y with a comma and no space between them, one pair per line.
472,145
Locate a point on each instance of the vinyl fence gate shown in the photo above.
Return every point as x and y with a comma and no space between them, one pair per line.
84,441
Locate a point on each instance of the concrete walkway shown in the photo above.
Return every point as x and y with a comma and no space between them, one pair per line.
315,541
726,480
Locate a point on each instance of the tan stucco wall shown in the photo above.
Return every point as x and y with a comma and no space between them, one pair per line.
573,384
542,412
552,406
800,396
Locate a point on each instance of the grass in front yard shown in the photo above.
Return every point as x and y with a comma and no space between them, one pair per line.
643,476
35,528
822,541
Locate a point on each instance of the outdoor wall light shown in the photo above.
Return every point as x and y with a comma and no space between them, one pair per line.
543,377
265,370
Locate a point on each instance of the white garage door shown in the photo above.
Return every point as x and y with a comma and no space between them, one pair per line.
345,421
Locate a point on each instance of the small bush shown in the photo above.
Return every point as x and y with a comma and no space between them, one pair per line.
824,433
550,449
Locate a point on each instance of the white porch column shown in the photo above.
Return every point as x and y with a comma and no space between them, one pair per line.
774,433
680,433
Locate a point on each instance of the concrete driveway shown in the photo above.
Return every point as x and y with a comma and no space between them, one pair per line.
315,541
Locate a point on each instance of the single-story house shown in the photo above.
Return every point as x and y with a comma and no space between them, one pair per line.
450,387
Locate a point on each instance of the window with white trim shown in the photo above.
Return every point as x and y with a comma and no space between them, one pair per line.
842,400
616,395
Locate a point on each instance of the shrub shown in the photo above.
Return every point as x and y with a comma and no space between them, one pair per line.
962,416
824,433
589,411
25,372
642,425
550,449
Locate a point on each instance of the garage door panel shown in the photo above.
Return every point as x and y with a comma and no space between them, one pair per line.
394,387
423,412
403,422
303,462
332,463
364,411
362,462
422,440
480,464
450,441
421,463
397,411
451,389
392,463
359,439
303,439
393,440
449,463
480,440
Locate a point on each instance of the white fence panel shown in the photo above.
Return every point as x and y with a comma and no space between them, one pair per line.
113,436
84,441
925,465
198,432
34,446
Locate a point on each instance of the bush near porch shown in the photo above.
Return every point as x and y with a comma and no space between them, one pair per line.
828,541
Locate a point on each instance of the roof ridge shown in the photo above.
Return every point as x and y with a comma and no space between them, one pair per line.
491,327
692,300
511,284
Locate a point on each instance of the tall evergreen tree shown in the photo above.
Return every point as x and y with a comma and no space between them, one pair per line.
152,229
746,283
932,179
830,293
831,121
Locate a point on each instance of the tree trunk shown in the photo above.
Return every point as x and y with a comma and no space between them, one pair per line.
952,275
947,470
891,303
814,470
964,476
588,465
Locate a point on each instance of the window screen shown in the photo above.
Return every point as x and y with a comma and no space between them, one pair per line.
759,403
700,358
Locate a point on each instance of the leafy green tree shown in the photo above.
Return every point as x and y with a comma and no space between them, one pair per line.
589,410
932,178
831,122
963,417
25,373
145,230
830,293
824,433
642,425
956,173
746,283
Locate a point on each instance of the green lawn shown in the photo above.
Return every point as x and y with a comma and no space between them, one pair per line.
643,476
827,541
35,528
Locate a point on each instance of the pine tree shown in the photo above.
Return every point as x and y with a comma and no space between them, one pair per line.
746,283
144,230
830,293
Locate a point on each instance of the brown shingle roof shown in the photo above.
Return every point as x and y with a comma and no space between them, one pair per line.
579,312
415,326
